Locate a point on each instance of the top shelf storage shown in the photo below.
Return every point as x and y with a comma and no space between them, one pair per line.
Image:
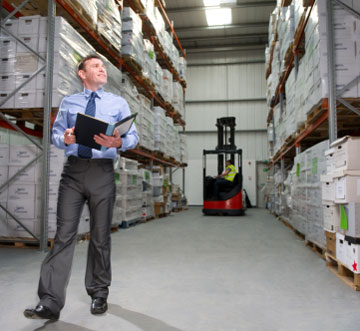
83,23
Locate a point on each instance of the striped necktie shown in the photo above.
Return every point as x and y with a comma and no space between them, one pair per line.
84,151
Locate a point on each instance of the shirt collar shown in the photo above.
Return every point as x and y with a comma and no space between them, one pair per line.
99,93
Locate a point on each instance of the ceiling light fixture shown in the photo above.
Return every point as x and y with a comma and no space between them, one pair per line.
220,16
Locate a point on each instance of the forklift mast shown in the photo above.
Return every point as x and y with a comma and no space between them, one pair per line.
226,139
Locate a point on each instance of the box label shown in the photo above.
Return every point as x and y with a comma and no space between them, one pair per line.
340,188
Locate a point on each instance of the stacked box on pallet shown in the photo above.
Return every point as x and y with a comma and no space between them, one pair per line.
178,98
132,43
311,83
167,86
130,93
160,128
172,147
183,148
145,123
109,22
182,68
147,194
286,31
128,202
157,185
69,48
341,199
149,69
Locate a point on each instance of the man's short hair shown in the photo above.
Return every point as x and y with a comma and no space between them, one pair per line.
81,65
229,161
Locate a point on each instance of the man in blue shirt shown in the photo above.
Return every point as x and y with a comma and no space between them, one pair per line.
88,176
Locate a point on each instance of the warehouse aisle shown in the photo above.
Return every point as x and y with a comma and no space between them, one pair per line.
190,272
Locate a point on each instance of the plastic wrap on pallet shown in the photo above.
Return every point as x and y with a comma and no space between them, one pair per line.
109,22
89,7
182,67
131,21
167,86
149,60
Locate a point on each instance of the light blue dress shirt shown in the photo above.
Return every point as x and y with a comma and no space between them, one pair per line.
109,107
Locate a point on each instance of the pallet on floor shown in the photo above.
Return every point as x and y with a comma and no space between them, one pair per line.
316,248
341,271
126,224
15,242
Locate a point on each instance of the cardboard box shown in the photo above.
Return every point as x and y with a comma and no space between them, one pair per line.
353,257
9,104
16,230
331,215
7,65
341,248
22,209
7,82
12,26
29,25
32,41
25,99
25,63
21,78
346,152
349,215
327,188
21,155
4,174
7,47
21,192
347,186
331,243
4,154
27,176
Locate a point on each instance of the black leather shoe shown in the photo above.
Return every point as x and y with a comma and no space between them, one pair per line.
98,306
41,312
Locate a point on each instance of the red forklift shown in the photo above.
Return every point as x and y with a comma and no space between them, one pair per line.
231,200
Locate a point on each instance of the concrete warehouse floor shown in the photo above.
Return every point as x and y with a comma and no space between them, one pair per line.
191,272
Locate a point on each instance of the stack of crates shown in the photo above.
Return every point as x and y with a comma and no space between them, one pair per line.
147,195
128,203
160,127
145,123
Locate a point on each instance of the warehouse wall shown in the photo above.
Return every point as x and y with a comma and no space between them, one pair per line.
236,88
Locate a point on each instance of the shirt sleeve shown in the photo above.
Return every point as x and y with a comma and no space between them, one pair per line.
60,125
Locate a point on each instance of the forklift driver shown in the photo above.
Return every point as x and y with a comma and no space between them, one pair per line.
225,179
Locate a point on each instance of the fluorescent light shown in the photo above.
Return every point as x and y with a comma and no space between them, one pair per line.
210,3
218,16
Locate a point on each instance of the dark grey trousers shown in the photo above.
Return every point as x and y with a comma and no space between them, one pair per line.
82,180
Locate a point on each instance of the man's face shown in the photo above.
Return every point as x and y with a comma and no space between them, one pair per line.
94,73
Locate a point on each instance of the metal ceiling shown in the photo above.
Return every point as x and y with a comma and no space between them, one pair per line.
249,28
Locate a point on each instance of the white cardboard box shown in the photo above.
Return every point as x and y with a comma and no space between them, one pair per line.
7,65
352,211
25,99
353,257
4,174
12,26
9,104
21,192
346,153
22,209
27,176
29,25
29,40
4,154
7,47
331,216
7,82
21,155
341,248
21,78
347,187
327,188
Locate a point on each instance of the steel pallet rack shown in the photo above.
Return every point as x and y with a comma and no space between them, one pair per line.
49,8
325,121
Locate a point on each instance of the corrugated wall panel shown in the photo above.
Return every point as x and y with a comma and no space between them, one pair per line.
209,83
228,84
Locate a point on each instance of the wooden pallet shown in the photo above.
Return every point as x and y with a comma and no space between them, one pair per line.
347,276
131,62
15,242
135,5
128,223
316,248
